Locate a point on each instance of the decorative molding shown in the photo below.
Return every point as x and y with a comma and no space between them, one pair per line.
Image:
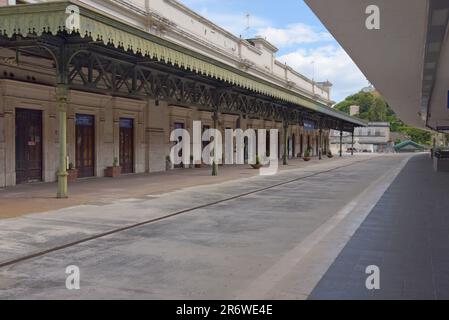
10,61
246,64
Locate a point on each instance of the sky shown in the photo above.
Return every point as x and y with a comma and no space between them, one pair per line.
303,42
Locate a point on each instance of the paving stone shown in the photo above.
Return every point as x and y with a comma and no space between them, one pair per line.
406,227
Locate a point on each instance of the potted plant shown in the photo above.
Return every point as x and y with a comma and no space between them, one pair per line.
168,164
113,171
257,165
329,154
72,173
307,154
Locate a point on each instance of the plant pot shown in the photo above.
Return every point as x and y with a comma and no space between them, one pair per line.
113,172
307,159
256,166
72,175
198,165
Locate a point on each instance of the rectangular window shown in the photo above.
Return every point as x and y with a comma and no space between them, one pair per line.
84,120
126,123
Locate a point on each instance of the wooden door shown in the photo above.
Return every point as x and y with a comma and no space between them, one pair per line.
268,143
85,145
127,145
28,146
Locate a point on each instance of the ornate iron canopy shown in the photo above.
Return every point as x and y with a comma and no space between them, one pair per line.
107,56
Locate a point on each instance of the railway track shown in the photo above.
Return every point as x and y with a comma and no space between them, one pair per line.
168,216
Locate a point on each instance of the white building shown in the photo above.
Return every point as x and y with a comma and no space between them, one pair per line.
373,138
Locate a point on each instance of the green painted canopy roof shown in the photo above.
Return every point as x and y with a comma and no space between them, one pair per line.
54,16
407,143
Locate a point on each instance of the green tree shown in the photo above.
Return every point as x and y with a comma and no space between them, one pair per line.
374,108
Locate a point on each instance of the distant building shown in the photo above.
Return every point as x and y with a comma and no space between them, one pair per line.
374,138
354,110
409,146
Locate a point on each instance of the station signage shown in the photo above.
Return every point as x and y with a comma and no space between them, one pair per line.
309,126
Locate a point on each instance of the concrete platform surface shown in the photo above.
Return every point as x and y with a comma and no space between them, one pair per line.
406,236
41,197
276,243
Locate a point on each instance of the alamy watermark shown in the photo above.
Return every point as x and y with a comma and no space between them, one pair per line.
73,21
372,22
238,147
373,280
72,281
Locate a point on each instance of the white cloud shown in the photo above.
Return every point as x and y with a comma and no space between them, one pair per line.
298,33
307,42
328,63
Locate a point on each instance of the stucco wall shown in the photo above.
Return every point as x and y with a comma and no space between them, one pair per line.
153,122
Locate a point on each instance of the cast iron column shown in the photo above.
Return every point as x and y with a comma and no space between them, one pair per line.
341,142
320,144
214,163
61,97
285,157
352,142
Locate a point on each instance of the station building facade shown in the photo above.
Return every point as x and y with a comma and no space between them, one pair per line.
102,129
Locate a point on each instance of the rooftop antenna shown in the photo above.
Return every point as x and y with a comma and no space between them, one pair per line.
248,24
